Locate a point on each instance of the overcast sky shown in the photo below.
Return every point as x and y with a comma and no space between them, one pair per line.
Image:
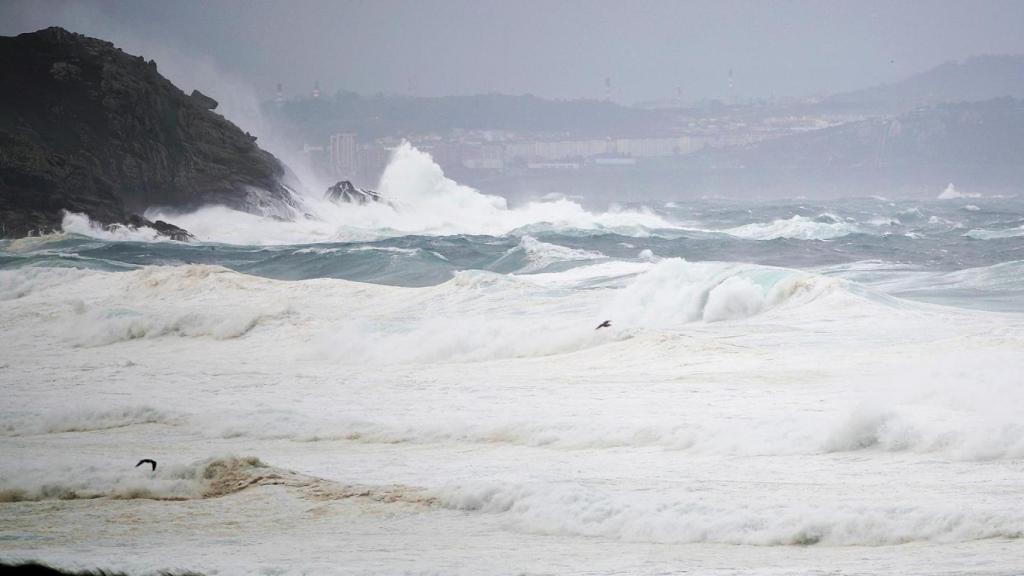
566,49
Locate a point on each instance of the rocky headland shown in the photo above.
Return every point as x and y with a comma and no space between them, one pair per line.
87,128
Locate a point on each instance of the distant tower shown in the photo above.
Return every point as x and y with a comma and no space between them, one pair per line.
279,96
731,96
608,88
316,89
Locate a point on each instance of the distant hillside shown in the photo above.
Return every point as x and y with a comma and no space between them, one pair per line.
979,145
377,116
973,80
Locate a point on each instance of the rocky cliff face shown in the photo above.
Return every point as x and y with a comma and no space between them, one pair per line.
87,128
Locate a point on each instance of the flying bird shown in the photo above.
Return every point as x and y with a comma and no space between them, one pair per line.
605,324
147,461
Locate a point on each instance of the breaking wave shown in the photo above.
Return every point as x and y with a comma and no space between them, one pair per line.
656,516
675,291
951,193
982,234
85,420
825,227
110,325
202,479
532,255
421,200
73,223
950,424
471,319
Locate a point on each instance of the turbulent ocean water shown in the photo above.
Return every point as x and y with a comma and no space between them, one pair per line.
787,386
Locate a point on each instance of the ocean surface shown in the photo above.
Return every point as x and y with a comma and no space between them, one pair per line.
787,387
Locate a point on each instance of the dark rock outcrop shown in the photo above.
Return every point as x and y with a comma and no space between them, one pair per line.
86,128
162,228
203,100
345,192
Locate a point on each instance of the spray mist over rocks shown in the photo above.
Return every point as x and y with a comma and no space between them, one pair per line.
421,200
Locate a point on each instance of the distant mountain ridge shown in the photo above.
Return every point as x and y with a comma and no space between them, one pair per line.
972,80
87,128
977,144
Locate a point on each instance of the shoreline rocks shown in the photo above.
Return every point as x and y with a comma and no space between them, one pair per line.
87,128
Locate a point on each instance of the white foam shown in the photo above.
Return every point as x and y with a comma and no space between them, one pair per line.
675,291
207,477
727,403
539,255
951,193
422,201
73,223
84,420
663,517
23,282
982,234
110,325
797,227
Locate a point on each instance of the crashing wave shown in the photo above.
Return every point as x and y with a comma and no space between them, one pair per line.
421,200
797,227
202,479
951,193
532,255
675,291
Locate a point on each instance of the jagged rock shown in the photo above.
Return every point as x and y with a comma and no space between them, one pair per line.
171,231
205,101
345,191
165,229
87,128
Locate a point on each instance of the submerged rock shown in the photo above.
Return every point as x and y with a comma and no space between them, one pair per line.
345,191
87,128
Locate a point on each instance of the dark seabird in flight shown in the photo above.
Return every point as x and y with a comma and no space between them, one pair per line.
605,324
147,461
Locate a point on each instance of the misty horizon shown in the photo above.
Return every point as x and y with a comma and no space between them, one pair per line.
594,50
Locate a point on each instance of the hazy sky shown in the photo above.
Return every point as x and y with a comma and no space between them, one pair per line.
554,49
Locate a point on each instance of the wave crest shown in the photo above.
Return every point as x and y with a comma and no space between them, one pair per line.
207,478
656,516
798,228
675,291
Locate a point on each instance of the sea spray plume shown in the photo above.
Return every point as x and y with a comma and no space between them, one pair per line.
951,193
420,199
